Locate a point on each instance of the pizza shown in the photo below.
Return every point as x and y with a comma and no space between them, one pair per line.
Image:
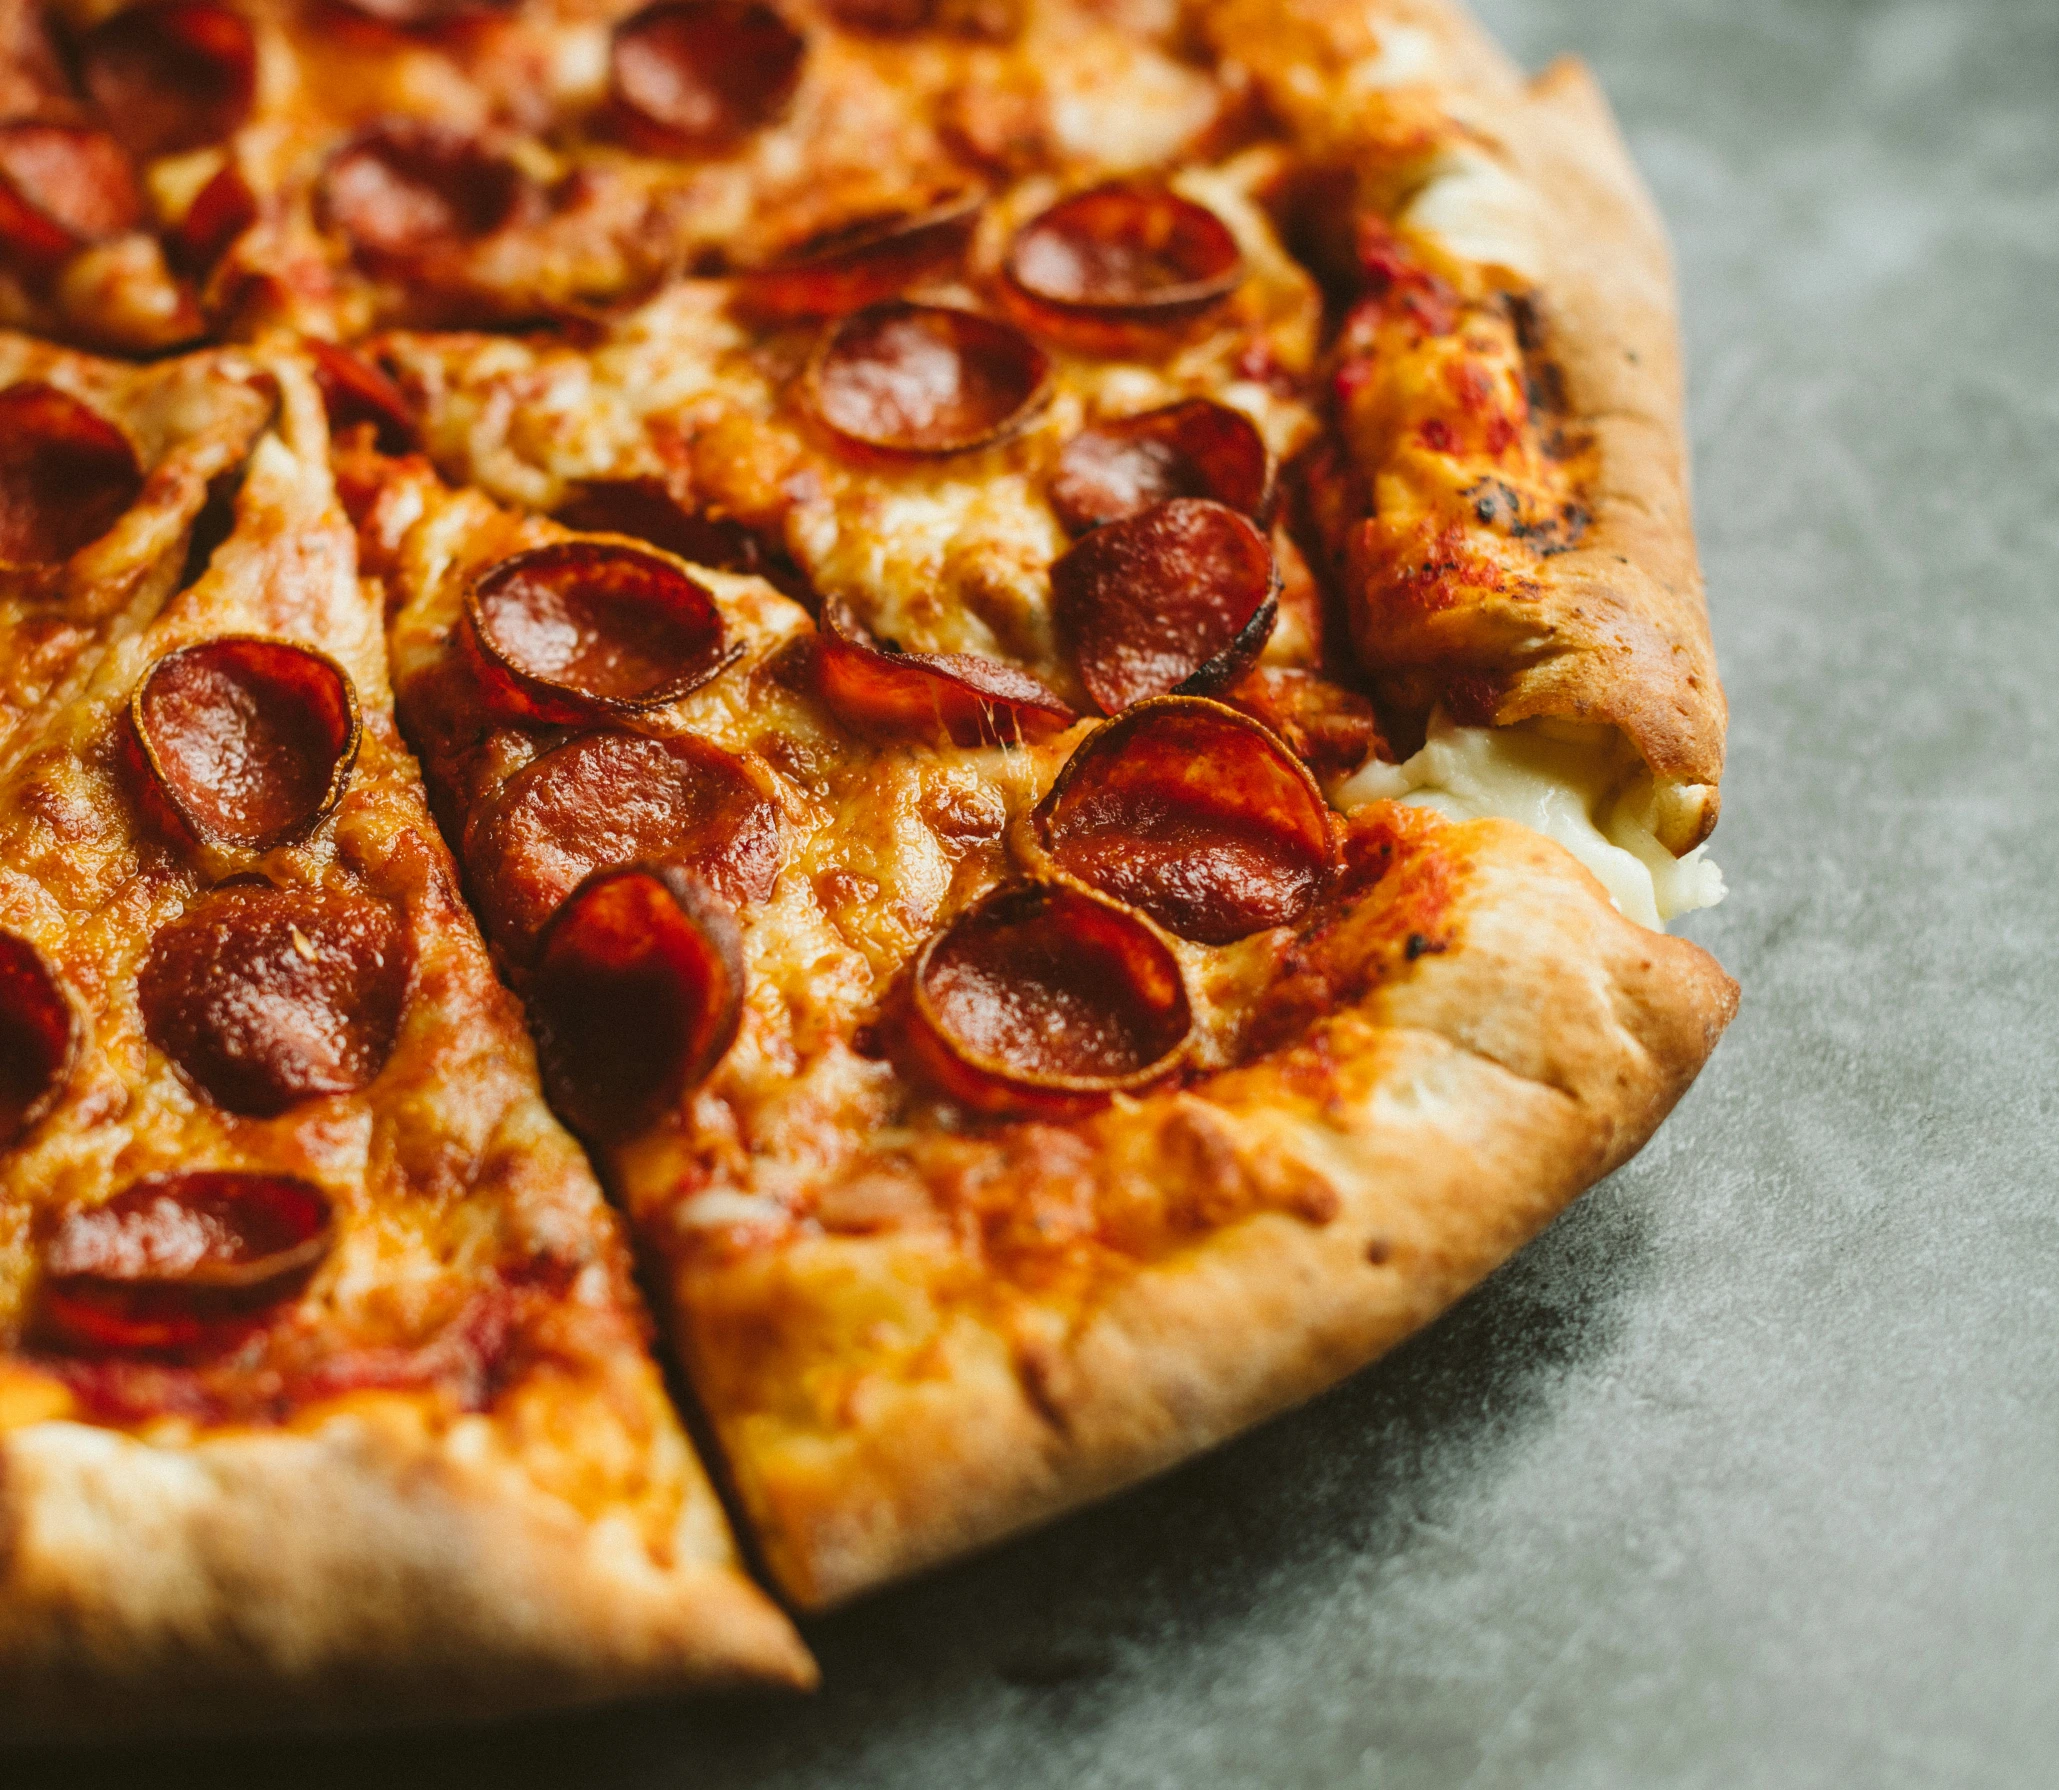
1006,696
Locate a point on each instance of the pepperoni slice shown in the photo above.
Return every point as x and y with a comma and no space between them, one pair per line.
927,379
182,1263
1181,597
426,12
266,997
1045,999
171,74
66,473
62,186
586,630
1100,267
39,1033
247,742
1196,448
958,697
221,211
355,392
648,510
864,260
407,186
691,76
1194,813
608,799
638,991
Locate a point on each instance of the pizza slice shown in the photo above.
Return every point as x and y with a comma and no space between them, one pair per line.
325,1393
106,473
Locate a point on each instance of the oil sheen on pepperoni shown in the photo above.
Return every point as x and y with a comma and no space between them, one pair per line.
62,186
247,742
1195,448
354,392
406,187
927,379
694,75
863,260
265,997
608,799
181,1264
959,697
66,473
1194,813
637,993
1046,999
1180,597
587,630
1097,267
169,75
38,1036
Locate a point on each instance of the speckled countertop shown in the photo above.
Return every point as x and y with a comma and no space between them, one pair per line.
1748,1472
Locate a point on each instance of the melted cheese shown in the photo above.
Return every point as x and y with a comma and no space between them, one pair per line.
1579,786
1476,212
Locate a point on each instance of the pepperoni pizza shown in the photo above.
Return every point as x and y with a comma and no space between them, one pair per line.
1056,651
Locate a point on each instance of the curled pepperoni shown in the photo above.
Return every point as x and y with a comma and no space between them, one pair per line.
648,510
926,379
354,392
221,211
585,630
266,997
39,1032
1196,448
608,799
171,74
408,186
1179,598
66,473
694,75
959,697
637,993
247,742
1046,998
62,186
864,260
182,1263
1194,813
1098,268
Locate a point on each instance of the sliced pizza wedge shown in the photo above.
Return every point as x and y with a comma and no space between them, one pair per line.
106,471
325,1393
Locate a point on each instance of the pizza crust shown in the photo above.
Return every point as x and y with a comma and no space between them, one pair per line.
366,1571
1458,1108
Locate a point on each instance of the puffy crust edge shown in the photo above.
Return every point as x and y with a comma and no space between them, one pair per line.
363,1572
1496,1082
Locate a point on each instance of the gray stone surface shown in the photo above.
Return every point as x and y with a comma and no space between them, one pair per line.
1748,1472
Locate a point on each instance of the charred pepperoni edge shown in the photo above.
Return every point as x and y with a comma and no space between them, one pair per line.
1103,768
1218,453
40,1037
38,234
221,211
987,1085
973,334
1111,323
969,700
323,685
355,392
171,75
235,937
688,948
1089,579
740,860
489,192
536,696
45,430
745,57
862,262
91,1308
